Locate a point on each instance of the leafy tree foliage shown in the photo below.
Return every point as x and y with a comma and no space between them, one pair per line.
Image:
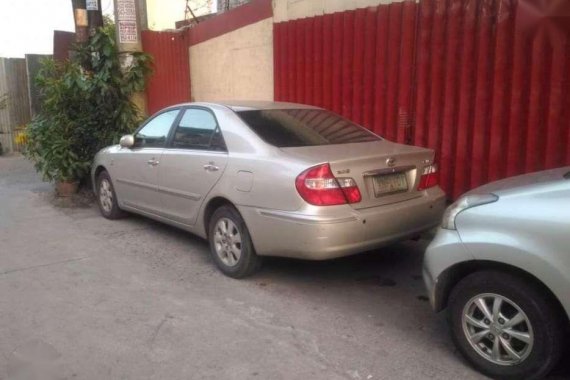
85,106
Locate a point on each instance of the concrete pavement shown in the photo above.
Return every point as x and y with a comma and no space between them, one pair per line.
87,298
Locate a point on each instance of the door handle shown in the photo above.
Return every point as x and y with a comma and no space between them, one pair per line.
211,168
152,162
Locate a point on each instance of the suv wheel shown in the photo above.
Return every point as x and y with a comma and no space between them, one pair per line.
230,244
505,326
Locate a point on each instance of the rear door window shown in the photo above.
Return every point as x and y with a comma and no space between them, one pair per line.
198,129
304,127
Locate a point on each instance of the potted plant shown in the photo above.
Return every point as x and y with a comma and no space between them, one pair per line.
85,105
52,151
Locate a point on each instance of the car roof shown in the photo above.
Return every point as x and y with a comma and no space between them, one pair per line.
251,105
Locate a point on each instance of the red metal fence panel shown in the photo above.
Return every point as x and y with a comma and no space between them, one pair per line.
170,82
358,63
62,42
484,83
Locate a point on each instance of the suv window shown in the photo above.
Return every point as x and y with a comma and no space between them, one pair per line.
155,132
304,127
198,129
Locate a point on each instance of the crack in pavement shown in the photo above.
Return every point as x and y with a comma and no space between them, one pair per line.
158,327
42,265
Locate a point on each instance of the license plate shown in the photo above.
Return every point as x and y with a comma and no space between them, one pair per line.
390,184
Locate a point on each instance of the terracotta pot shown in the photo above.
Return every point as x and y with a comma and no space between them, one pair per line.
66,188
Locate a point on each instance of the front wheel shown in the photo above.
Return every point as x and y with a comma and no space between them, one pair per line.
230,244
505,326
107,198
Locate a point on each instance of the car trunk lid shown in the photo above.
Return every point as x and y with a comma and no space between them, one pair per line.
385,172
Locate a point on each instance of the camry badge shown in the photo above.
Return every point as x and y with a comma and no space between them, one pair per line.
391,161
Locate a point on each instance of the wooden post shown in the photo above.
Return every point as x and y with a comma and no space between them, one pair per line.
94,15
81,21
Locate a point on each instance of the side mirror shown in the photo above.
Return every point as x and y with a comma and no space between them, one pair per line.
127,141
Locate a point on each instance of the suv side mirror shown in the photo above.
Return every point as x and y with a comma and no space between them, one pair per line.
127,141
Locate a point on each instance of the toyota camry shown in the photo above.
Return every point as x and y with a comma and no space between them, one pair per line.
270,179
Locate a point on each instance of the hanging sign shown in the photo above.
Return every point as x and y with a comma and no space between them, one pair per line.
128,32
126,10
127,21
92,5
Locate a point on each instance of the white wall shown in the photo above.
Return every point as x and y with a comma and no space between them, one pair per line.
236,65
239,64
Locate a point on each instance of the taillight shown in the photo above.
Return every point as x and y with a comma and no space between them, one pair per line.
318,186
428,178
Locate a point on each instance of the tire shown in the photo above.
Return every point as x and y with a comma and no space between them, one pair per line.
107,198
233,250
542,326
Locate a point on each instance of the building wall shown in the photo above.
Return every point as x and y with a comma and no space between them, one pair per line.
235,65
285,10
239,64
484,83
163,14
225,5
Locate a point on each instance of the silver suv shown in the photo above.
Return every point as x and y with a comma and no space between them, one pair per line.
500,264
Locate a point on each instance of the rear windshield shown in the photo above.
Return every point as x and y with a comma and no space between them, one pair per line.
301,127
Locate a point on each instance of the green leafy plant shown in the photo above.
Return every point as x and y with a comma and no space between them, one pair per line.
3,104
3,101
53,153
85,106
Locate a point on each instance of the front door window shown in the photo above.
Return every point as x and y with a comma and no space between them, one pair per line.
155,132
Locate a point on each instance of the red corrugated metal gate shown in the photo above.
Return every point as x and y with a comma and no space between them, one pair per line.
170,82
485,83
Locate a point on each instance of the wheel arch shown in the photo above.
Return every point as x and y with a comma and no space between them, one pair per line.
451,276
98,169
213,204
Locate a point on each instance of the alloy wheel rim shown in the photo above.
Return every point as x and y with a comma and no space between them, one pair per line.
227,242
497,329
106,195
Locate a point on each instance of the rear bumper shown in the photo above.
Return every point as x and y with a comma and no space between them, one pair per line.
336,231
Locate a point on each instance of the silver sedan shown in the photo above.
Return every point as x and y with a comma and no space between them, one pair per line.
501,265
270,179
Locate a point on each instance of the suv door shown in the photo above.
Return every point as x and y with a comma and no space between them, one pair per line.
136,168
191,165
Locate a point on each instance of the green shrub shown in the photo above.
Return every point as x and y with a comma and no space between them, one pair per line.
85,106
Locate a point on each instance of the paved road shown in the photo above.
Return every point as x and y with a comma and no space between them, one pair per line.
87,298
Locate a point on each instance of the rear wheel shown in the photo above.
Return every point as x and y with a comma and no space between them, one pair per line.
505,326
230,244
107,198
